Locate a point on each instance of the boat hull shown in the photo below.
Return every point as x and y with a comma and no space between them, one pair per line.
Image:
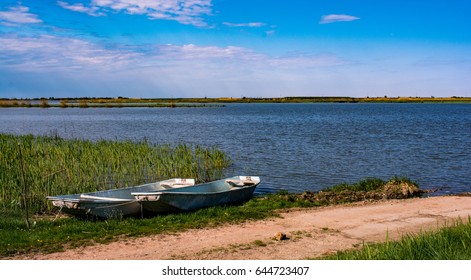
195,197
114,203
99,209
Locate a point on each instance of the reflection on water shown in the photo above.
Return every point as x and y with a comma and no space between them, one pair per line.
295,147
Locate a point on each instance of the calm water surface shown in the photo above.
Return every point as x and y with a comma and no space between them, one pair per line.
295,147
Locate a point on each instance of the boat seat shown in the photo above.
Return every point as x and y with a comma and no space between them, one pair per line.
85,196
175,185
240,183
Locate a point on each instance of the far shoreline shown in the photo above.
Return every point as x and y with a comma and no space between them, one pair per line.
122,102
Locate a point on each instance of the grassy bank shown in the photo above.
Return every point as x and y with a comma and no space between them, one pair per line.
101,103
452,242
55,166
51,233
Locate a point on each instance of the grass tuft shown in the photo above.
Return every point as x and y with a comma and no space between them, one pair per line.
452,242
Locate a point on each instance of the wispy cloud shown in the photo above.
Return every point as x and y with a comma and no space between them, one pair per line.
18,15
51,53
192,52
248,24
173,69
79,7
336,18
189,12
305,61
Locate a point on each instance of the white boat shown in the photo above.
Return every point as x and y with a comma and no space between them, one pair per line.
113,203
232,190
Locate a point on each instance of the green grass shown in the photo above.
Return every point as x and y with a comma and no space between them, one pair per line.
50,234
368,184
452,242
56,166
363,190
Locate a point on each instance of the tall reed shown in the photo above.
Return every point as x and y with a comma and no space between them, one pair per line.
55,166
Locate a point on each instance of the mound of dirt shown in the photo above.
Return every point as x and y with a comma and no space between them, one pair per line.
394,189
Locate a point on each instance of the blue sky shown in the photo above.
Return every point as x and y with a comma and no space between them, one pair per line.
229,48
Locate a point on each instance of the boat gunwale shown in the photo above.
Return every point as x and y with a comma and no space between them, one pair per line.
166,192
255,181
82,197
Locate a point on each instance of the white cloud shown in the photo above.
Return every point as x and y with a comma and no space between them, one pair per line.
79,7
71,66
189,12
337,18
249,24
306,61
58,53
18,15
54,52
237,57
192,52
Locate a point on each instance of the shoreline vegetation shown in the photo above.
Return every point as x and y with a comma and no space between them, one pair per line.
121,102
53,166
450,242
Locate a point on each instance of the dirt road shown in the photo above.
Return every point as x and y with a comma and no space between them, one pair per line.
310,233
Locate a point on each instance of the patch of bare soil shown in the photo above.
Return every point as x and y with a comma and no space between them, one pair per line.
297,234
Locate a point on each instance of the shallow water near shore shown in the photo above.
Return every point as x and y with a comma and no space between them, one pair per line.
293,147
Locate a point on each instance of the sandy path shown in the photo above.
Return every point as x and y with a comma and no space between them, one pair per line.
311,233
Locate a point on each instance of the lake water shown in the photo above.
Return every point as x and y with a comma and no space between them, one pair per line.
294,147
